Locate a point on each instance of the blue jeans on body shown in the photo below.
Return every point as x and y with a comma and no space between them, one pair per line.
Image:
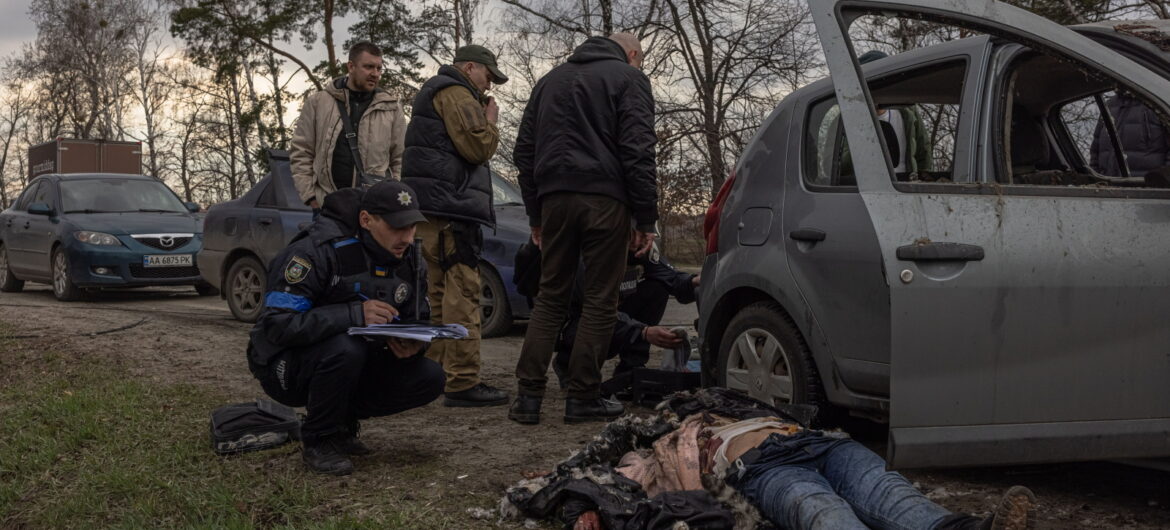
812,481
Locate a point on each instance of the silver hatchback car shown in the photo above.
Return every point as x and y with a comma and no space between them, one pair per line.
1003,300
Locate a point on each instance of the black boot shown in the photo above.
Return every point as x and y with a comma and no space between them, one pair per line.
323,456
596,409
526,410
348,443
480,395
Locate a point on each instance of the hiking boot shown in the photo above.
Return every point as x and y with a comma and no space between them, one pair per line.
596,409
348,443
1016,510
324,457
526,410
480,395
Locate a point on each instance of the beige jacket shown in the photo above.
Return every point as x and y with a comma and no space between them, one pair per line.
381,134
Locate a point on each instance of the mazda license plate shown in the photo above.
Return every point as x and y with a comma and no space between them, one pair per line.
167,260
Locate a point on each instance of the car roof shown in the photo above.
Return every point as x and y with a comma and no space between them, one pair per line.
87,176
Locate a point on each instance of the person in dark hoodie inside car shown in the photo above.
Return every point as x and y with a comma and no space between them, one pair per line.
586,161
323,157
354,266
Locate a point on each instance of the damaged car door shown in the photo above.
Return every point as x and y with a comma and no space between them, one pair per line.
1027,306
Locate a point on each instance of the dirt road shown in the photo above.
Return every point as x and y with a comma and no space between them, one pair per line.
466,457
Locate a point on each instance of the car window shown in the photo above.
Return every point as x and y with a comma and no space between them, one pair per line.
1071,143
918,112
118,195
267,197
503,192
26,198
44,194
1092,124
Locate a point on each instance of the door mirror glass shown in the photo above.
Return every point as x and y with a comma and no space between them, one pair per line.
192,207
40,208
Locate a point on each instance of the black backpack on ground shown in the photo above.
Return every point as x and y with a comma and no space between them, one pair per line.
252,426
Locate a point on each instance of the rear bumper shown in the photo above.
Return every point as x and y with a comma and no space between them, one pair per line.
125,268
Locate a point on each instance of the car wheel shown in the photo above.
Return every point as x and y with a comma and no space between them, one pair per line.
8,281
245,288
63,287
206,289
763,355
495,313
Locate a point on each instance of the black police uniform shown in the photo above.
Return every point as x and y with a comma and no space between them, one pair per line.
299,348
649,281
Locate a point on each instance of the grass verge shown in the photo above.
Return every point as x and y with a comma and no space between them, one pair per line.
83,444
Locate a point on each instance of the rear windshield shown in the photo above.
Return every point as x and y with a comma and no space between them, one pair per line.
118,195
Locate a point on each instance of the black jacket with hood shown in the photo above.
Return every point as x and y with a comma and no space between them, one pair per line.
589,128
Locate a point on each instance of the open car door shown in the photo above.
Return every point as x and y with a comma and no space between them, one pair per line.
1028,324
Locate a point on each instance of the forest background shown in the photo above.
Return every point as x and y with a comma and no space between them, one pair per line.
208,86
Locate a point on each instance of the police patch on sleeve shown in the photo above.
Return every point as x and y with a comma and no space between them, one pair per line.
297,269
401,293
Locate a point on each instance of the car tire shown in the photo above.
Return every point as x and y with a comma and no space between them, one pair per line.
206,289
63,287
8,281
495,312
244,288
762,354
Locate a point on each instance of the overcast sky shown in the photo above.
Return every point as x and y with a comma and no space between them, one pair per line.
15,26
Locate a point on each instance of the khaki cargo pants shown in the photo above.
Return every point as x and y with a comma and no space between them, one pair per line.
454,297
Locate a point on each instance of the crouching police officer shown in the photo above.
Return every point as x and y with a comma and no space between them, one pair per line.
354,266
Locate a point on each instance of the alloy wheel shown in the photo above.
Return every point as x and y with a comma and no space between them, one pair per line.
758,366
246,289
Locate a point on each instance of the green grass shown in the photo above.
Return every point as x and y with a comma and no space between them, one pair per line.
83,444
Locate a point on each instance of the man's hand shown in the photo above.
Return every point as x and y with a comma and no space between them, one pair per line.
536,237
404,348
378,312
314,204
661,337
643,241
492,110
695,280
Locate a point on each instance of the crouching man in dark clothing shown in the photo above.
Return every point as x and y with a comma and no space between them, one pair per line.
647,284
354,266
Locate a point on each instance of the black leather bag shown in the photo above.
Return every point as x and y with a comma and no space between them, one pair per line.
253,426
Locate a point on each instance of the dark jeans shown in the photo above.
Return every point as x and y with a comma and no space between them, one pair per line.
812,481
646,305
344,379
575,228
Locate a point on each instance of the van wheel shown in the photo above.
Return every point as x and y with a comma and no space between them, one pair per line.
63,287
245,288
8,281
495,313
763,355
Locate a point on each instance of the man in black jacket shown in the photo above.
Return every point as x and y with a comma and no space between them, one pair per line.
585,153
352,267
451,137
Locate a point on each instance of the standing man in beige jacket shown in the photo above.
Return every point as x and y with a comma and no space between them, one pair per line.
321,157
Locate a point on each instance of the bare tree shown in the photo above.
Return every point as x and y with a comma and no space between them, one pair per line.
15,105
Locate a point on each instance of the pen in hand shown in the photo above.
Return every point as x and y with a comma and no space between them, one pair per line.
367,299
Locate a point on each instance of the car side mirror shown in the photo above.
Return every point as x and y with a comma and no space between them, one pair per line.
40,208
192,207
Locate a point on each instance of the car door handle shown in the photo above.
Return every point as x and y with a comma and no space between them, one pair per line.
265,221
940,252
807,234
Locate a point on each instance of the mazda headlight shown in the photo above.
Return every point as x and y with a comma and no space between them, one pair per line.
97,238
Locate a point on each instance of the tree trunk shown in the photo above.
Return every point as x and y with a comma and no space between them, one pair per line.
328,21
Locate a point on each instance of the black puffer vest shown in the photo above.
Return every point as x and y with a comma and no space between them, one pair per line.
447,185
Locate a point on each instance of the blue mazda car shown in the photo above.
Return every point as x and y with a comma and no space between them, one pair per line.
243,235
83,231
